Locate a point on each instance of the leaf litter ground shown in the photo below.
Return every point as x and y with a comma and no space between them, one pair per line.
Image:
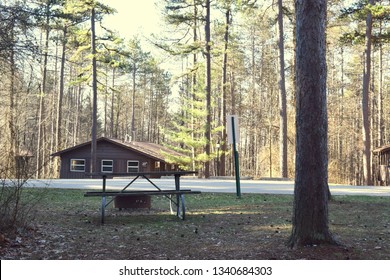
218,226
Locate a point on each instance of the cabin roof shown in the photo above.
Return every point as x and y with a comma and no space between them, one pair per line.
382,149
152,150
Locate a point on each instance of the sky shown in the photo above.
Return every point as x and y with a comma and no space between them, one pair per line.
133,17
139,18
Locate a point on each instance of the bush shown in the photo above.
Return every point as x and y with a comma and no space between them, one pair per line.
16,207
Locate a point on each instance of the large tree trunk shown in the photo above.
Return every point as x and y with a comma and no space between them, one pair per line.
282,98
310,216
365,103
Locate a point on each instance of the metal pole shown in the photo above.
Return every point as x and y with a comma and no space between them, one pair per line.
103,198
236,164
217,173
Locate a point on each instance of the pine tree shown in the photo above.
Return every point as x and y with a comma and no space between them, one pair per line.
371,12
310,217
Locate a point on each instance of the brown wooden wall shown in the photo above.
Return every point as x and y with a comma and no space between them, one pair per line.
381,168
105,151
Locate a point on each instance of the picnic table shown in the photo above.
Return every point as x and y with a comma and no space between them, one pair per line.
175,196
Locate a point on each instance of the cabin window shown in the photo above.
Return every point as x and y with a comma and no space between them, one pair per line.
107,165
77,165
132,166
157,164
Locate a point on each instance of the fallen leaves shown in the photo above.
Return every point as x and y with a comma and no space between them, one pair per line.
245,231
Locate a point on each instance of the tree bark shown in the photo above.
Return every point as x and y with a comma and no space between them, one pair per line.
282,98
365,103
222,164
12,108
112,103
310,213
134,71
380,122
94,97
59,145
208,89
42,111
194,82
105,129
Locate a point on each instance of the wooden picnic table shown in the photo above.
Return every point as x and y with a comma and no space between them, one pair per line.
175,196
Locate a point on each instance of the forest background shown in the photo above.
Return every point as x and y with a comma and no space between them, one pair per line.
230,57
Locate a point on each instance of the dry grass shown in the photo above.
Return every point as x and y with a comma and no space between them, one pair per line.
218,226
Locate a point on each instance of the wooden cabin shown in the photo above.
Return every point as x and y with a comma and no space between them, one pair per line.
115,156
23,163
381,165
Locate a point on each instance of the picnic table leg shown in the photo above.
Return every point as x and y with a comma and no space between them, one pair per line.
103,208
180,202
177,186
103,199
180,210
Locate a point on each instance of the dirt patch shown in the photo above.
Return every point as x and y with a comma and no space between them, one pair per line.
218,226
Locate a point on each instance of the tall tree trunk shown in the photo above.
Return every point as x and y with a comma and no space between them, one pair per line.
310,213
106,103
341,120
94,97
380,95
194,82
12,109
253,94
208,89
222,164
282,98
112,103
59,144
41,118
133,104
365,103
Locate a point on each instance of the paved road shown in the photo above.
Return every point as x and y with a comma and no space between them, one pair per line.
207,185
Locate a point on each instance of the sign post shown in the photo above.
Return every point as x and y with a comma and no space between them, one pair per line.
233,138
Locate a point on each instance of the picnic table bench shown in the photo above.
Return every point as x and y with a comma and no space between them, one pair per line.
175,196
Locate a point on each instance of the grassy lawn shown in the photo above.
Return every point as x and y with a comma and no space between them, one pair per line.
66,225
